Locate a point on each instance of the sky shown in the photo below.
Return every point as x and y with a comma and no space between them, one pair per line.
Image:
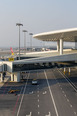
37,16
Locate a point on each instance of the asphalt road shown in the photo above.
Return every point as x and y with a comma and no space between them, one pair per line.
54,95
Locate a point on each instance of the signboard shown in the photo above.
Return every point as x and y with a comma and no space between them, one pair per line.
11,59
12,53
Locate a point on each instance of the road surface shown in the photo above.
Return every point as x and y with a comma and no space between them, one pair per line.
54,95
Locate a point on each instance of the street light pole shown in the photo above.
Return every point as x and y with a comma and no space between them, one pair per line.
19,24
25,40
31,40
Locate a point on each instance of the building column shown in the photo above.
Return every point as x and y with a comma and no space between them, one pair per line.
12,77
17,77
58,45
61,46
2,78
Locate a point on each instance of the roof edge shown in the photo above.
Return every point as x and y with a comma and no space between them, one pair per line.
55,32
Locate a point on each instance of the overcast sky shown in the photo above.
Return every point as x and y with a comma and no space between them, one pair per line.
37,16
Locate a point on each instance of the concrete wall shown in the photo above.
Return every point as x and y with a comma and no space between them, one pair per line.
17,77
9,66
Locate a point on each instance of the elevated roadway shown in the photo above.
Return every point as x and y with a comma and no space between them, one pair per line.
46,58
43,60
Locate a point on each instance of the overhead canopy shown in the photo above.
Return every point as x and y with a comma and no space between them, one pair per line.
69,35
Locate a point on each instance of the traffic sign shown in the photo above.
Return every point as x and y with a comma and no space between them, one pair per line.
11,59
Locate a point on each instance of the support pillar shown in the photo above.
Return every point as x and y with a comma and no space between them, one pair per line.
12,77
2,79
69,71
17,77
64,70
58,45
61,46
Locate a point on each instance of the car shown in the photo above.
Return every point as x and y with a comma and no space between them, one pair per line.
34,82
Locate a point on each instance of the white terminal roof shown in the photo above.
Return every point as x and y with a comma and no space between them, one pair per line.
69,35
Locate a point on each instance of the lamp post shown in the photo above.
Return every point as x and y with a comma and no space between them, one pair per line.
25,40
31,40
19,24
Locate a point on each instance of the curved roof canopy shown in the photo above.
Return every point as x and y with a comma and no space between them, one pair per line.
69,35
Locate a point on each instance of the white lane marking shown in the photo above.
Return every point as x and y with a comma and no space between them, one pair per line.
44,92
37,91
75,113
38,100
68,100
48,114
29,114
38,106
22,96
63,91
51,95
38,113
71,106
61,88
38,95
31,92
68,80
65,95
